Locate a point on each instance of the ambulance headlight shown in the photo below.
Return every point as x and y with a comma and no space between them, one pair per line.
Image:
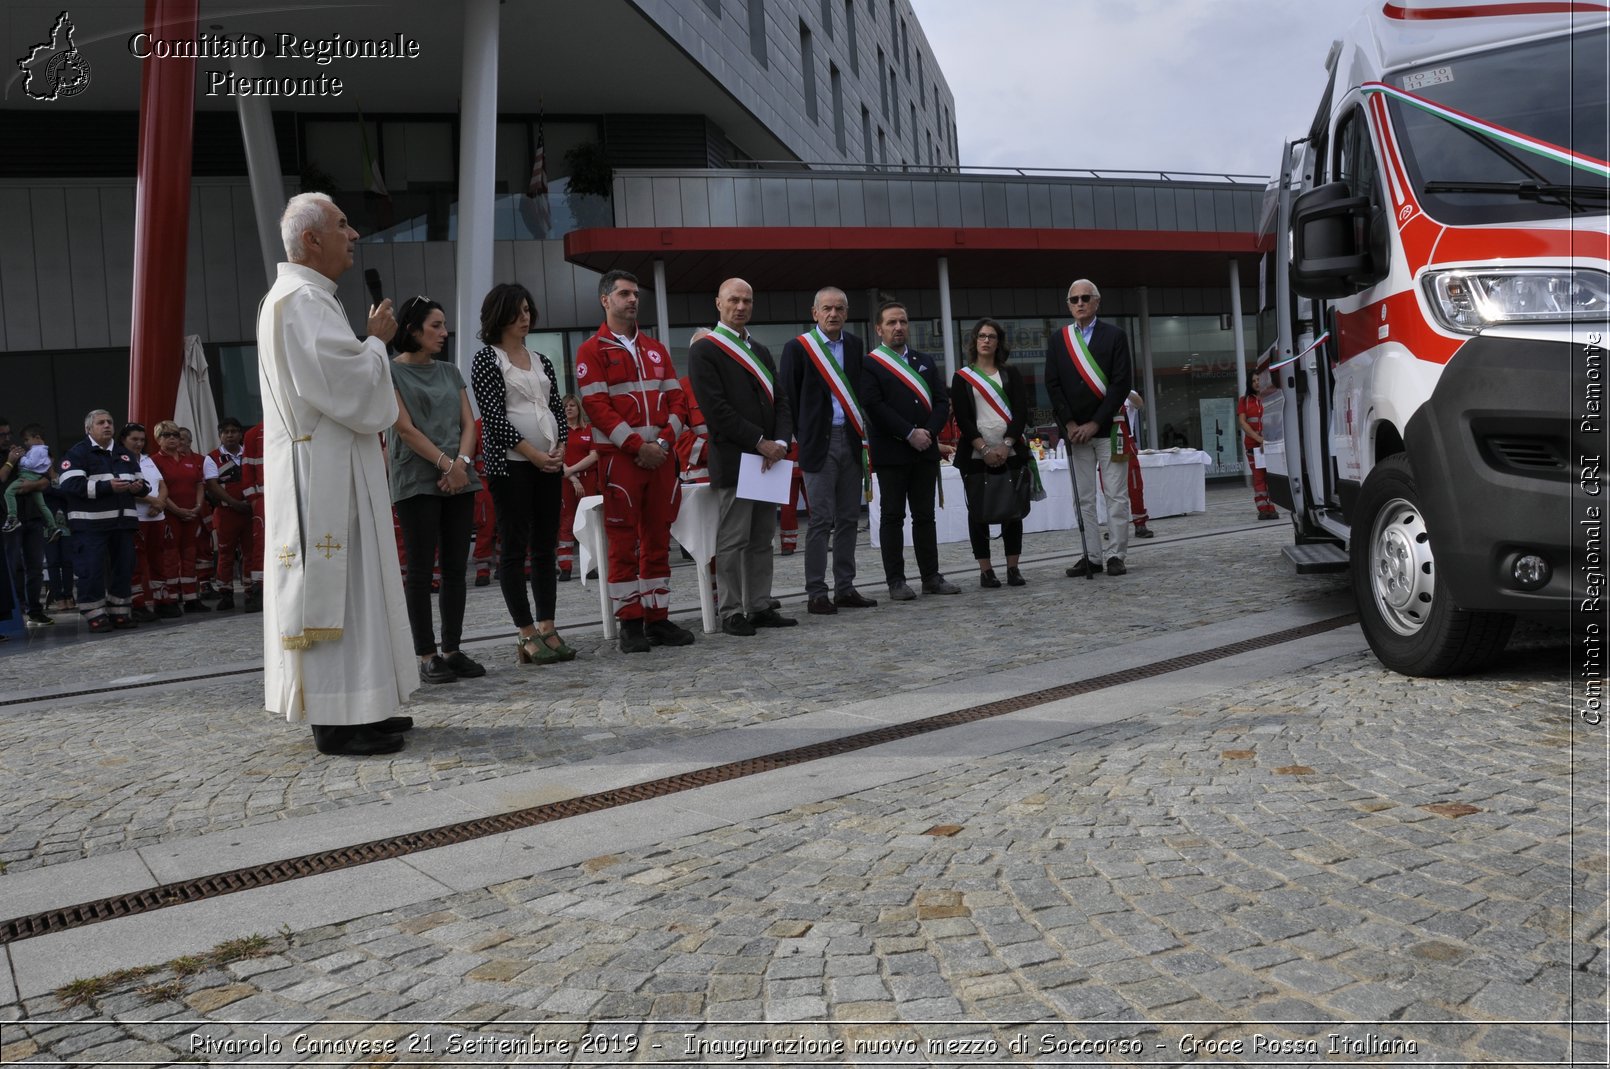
1469,301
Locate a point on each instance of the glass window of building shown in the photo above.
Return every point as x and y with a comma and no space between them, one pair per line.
1193,365
837,89
849,37
827,18
807,70
757,30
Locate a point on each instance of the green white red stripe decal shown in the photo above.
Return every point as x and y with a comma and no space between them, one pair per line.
838,383
986,388
1083,362
1503,134
895,364
739,350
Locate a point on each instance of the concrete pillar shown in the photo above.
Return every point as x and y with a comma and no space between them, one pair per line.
1148,373
162,217
262,169
947,328
662,305
1240,352
477,154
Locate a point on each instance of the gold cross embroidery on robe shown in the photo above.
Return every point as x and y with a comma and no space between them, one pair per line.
286,555
329,546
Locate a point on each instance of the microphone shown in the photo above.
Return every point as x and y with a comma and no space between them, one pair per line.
371,278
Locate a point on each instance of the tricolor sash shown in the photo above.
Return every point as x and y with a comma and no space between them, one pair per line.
838,384
986,388
1083,361
896,365
739,350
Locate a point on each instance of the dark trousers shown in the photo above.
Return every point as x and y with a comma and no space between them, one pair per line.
900,485
25,562
1011,537
834,495
527,503
429,522
103,561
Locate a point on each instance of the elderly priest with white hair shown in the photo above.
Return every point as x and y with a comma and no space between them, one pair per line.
336,653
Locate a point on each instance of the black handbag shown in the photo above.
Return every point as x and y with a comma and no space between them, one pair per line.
998,495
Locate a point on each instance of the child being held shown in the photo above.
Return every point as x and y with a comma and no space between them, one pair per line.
34,467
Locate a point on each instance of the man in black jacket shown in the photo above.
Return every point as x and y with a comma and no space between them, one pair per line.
746,410
906,401
820,371
1088,375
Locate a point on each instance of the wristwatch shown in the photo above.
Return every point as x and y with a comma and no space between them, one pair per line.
468,463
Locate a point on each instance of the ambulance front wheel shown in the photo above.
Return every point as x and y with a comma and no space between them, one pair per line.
1412,625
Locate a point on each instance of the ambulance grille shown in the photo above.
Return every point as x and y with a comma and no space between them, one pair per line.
1530,455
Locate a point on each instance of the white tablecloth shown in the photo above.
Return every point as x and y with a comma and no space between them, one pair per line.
694,528
1175,485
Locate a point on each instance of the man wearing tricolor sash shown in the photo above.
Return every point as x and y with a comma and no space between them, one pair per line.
1088,375
820,372
904,395
735,380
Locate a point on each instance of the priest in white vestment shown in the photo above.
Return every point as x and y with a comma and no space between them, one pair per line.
336,651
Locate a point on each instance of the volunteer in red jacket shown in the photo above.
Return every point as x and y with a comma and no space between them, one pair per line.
232,516
581,480
182,471
630,392
1249,414
251,489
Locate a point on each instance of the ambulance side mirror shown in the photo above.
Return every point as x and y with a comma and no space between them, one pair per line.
1333,248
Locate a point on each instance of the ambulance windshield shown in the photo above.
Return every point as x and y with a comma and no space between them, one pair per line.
1515,117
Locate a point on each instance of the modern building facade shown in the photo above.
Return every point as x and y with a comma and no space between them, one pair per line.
794,142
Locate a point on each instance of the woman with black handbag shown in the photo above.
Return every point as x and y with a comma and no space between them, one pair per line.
990,401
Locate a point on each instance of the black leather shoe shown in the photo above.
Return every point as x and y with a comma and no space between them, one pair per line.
665,633
564,575
196,605
142,614
1116,567
123,623
1015,578
855,600
394,725
986,579
1142,531
463,667
226,601
632,638
1083,568
169,610
362,740
822,605
483,579
738,625
254,598
770,618
436,670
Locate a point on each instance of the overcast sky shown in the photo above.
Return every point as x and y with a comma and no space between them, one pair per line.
1186,85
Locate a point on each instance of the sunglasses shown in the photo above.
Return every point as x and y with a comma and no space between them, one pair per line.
1081,298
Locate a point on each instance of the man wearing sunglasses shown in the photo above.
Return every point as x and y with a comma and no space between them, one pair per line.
1088,375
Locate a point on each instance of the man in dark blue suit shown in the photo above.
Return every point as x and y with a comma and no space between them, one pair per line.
907,404
1089,375
821,372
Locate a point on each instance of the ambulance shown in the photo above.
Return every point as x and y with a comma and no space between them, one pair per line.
1441,265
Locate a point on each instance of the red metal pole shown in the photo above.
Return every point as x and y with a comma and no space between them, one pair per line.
162,216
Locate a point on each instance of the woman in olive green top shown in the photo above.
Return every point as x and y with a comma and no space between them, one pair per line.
433,484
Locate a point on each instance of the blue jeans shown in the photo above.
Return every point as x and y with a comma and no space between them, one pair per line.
25,563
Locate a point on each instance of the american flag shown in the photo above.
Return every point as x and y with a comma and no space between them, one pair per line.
537,189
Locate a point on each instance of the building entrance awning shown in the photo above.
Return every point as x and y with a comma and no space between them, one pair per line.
803,258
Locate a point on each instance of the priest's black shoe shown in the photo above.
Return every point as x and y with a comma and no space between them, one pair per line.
361,740
394,725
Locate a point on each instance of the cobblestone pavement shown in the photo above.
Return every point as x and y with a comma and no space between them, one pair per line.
1423,856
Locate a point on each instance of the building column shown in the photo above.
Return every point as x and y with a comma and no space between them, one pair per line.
262,169
1240,355
662,305
162,217
947,329
477,155
1148,373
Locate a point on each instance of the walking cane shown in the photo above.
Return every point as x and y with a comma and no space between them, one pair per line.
1079,515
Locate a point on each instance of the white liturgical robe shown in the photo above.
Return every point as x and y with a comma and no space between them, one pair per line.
336,648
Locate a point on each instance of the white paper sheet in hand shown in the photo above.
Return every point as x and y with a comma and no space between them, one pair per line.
771,485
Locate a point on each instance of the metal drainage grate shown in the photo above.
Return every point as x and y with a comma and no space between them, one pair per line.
245,879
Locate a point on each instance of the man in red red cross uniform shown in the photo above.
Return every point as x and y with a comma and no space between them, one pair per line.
631,394
251,490
232,511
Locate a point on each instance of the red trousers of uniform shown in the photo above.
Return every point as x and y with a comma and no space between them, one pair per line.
254,551
1260,485
206,557
568,500
639,506
486,530
150,581
788,518
1137,486
179,556
231,531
